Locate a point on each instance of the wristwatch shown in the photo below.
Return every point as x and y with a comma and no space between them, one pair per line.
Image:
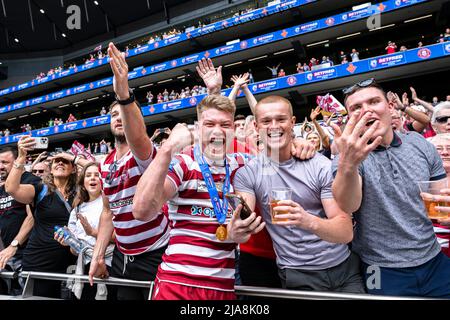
125,102
15,243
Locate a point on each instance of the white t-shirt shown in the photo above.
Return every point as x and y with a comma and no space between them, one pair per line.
92,211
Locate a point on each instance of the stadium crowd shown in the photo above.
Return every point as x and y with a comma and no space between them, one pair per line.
307,64
262,200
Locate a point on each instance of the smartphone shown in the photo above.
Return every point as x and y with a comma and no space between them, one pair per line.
236,200
41,143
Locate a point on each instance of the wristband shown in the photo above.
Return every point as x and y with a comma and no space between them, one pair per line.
18,165
125,102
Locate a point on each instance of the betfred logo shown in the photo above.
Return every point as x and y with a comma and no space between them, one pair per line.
424,53
43,132
291,80
193,101
309,76
447,48
329,21
244,44
373,63
174,63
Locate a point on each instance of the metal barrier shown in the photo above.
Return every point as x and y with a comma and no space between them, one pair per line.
239,290
30,276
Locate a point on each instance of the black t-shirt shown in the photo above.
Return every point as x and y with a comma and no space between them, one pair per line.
13,213
43,253
326,153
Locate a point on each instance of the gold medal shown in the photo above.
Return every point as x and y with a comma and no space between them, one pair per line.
221,233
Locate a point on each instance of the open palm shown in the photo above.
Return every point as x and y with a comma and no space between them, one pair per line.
211,77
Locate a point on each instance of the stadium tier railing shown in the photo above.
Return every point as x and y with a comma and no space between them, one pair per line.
273,37
30,276
198,32
412,56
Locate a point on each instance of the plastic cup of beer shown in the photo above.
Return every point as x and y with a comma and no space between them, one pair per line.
276,195
428,191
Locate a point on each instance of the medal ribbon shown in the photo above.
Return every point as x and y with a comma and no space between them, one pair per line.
220,208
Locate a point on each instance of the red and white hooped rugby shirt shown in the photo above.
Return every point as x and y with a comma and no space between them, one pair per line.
132,236
194,256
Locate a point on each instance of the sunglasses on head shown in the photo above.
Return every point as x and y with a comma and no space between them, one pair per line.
361,84
442,119
37,171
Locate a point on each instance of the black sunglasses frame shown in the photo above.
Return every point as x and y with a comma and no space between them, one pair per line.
361,84
442,119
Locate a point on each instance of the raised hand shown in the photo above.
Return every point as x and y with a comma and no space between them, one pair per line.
241,80
314,113
26,143
413,93
211,77
405,99
398,104
120,71
69,157
353,143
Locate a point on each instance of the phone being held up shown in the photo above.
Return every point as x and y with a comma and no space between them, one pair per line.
235,200
41,143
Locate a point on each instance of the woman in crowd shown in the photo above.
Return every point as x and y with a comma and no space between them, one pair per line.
83,223
52,201
319,137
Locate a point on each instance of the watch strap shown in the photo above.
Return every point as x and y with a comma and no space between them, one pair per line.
125,102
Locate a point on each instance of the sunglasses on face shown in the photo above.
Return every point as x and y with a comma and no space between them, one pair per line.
112,170
37,171
362,84
65,161
442,119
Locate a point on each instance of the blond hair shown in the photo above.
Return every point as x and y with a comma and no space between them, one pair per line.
218,102
274,99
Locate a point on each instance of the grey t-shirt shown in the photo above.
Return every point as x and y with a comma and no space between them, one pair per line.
310,182
392,227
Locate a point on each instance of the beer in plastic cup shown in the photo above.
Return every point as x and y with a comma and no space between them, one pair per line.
428,191
276,195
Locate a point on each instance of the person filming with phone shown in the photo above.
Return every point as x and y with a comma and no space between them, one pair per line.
308,229
52,201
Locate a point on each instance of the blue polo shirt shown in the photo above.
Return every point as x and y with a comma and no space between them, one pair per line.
392,228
